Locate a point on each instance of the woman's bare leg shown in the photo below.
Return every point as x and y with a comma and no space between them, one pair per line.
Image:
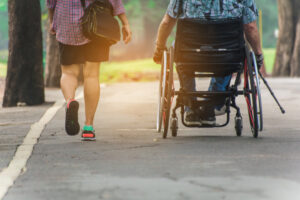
69,80
91,90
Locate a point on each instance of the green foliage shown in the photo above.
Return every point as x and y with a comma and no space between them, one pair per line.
3,24
153,11
133,8
151,4
270,21
269,59
3,6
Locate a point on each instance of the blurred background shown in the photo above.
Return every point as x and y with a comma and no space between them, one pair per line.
131,62
145,16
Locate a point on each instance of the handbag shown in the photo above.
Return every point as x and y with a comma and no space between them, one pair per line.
98,22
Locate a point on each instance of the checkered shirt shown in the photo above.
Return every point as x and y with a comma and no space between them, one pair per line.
214,9
66,19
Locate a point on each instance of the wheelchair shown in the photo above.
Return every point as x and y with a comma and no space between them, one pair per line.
214,48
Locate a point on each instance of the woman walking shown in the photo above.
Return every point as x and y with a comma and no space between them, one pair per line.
75,50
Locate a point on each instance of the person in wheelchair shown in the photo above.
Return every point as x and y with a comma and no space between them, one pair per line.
209,10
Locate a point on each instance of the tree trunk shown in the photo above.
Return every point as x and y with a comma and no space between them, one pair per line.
153,11
149,36
24,80
295,64
53,70
288,45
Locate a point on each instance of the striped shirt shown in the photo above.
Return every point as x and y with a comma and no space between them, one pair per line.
66,19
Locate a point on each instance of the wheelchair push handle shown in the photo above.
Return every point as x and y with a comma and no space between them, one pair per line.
272,93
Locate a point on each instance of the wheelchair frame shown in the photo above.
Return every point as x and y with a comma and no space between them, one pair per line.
251,92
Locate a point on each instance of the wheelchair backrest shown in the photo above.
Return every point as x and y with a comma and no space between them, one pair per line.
214,46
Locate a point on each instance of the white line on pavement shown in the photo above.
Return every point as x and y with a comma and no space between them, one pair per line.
17,165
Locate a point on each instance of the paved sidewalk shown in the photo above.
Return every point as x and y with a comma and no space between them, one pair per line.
130,161
15,123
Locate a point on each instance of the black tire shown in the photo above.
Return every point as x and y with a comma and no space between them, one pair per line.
168,94
251,96
160,91
238,126
258,97
174,127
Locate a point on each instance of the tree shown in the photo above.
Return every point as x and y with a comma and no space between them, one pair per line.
270,21
24,80
53,70
144,17
288,45
3,24
153,11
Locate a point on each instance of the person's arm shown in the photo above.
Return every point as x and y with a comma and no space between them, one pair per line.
125,28
51,13
252,36
165,28
51,4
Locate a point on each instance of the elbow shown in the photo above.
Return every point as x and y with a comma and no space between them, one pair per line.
250,28
168,21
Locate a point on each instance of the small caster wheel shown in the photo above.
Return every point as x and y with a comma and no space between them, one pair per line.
238,125
174,127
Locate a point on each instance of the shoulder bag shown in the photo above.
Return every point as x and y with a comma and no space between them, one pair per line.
98,22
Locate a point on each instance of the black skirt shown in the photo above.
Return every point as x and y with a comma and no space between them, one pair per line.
94,51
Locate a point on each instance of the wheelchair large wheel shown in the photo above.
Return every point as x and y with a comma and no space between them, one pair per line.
160,94
166,94
169,87
259,100
251,96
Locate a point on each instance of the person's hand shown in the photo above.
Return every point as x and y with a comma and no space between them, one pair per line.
263,71
126,33
51,29
158,53
261,65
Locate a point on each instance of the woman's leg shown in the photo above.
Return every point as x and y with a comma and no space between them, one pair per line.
68,84
91,90
69,80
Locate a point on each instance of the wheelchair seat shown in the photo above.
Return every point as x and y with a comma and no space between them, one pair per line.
210,48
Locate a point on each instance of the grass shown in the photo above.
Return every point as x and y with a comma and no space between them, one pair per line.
2,70
3,56
137,70
269,59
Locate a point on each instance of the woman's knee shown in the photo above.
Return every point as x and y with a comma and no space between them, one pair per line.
91,70
71,70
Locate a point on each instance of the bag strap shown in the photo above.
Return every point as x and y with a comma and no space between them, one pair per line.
83,4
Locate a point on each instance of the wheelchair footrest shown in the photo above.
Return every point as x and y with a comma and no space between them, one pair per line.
205,126
206,94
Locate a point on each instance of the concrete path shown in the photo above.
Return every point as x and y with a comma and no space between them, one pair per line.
130,161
